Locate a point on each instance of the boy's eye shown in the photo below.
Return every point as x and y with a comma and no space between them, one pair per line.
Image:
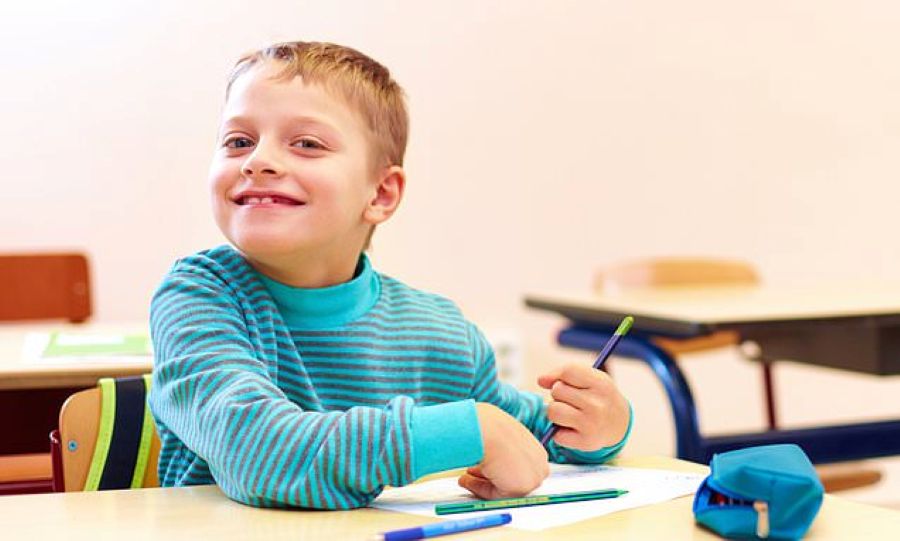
308,143
238,142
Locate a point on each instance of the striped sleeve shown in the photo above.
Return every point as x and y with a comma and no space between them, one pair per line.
528,408
214,394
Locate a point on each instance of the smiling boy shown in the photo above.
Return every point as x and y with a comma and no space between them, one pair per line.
290,372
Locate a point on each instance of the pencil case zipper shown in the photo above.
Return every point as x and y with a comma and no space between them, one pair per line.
759,507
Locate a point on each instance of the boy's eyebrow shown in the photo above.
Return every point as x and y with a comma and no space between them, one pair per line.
297,120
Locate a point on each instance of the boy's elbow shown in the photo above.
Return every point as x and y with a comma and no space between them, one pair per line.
301,492
299,500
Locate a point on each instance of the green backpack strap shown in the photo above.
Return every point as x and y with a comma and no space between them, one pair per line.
126,430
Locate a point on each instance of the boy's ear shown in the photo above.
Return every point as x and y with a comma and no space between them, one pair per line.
388,193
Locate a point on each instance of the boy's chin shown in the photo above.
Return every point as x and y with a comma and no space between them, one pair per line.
269,249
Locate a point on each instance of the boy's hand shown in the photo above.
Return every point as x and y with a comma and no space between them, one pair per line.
514,461
588,408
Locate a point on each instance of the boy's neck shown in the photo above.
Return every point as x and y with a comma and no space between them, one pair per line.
309,272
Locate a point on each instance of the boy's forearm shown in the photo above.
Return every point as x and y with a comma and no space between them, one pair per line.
344,467
264,451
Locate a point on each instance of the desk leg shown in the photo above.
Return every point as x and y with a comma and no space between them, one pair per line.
689,444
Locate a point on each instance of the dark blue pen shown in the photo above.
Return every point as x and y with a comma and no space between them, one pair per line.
610,345
446,527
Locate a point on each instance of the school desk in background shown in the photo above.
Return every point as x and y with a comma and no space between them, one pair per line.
851,326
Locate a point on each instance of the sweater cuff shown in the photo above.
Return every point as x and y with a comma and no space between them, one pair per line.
445,436
604,453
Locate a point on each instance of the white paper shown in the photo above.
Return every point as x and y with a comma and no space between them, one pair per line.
34,345
64,339
645,487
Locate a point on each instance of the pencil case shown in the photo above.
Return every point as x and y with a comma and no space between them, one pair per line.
765,492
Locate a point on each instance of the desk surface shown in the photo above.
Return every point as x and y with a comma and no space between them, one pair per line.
689,310
201,513
18,372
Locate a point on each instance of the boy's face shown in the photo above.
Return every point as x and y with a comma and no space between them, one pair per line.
292,170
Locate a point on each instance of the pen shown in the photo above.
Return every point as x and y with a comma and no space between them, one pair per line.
445,528
548,499
610,345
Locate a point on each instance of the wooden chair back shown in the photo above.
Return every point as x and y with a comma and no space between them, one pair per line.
44,286
79,423
676,271
679,271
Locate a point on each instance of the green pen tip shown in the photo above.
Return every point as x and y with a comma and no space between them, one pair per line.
625,326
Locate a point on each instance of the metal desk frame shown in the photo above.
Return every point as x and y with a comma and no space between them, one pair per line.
823,444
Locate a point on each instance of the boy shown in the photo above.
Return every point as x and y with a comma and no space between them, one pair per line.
291,373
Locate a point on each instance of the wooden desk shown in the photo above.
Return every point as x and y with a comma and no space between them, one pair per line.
204,513
853,327
31,393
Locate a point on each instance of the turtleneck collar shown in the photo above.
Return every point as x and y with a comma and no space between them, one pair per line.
323,307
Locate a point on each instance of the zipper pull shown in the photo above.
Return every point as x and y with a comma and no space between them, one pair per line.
762,518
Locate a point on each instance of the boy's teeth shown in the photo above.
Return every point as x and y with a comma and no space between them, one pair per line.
252,201
266,200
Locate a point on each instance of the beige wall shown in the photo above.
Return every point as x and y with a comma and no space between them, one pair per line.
548,138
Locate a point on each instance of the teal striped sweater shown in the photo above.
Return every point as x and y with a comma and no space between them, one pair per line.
318,398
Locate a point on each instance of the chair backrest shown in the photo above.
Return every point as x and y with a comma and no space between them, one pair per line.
44,286
107,439
675,271
661,272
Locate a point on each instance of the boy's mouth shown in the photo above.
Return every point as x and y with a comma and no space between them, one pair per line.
265,198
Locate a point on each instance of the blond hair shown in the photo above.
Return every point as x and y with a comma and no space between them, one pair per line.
364,84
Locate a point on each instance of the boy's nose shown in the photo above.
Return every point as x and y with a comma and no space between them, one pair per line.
260,163
250,170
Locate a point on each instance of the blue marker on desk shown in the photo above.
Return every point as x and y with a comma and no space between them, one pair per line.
446,528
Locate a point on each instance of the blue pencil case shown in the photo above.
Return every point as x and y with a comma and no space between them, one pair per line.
765,492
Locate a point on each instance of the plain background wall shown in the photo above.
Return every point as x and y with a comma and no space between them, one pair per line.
548,138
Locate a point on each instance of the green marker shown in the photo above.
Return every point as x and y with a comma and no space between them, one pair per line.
549,499
623,329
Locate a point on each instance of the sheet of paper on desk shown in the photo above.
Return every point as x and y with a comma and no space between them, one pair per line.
81,348
645,486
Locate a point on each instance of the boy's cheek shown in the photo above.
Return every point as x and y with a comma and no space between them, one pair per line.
222,170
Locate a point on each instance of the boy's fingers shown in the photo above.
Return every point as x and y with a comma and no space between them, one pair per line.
468,482
567,438
478,486
563,415
475,471
547,380
582,376
573,396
